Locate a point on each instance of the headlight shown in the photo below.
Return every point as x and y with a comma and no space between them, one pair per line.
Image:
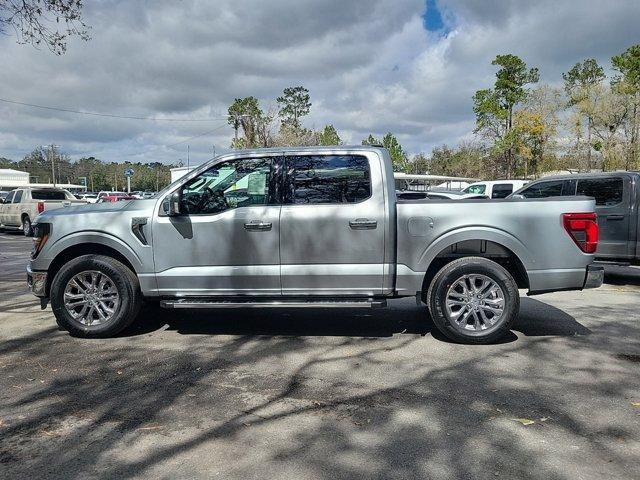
41,232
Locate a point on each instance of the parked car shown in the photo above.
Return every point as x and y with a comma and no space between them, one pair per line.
23,205
496,188
113,197
104,193
617,196
437,195
89,197
140,194
311,227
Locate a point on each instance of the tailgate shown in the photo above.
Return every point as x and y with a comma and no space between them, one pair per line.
53,204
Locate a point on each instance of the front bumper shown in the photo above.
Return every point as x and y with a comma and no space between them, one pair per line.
594,277
37,282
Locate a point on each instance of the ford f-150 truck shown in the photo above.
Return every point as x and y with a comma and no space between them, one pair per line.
309,227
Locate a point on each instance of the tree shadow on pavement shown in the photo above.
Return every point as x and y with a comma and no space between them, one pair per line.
281,401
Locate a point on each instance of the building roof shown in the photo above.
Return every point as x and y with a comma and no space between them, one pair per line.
12,171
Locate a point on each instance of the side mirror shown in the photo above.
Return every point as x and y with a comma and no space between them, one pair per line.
517,196
173,207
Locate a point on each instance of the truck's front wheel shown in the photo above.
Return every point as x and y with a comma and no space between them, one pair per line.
473,300
95,296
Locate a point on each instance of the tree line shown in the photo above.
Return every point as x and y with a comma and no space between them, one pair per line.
97,174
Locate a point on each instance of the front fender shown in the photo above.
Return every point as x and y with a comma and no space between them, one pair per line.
76,239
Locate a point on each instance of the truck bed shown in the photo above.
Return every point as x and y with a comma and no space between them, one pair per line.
530,229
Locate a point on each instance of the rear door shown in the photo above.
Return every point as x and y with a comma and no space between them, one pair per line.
332,230
612,196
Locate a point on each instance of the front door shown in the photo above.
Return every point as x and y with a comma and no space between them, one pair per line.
5,210
15,210
332,230
226,240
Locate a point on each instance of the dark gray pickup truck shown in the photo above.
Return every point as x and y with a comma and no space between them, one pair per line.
617,202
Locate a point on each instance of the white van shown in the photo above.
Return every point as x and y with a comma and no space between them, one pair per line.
496,188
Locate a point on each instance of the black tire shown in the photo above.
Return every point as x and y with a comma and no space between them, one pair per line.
27,229
455,270
125,282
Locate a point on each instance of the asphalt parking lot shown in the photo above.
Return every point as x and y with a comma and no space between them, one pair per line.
317,394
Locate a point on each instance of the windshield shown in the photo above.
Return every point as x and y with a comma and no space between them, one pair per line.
479,189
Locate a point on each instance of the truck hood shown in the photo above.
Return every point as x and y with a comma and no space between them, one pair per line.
91,209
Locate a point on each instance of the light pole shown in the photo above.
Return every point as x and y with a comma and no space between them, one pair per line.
51,154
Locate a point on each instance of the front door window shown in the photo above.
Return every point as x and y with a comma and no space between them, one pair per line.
228,185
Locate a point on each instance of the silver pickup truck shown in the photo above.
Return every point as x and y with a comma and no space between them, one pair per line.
309,227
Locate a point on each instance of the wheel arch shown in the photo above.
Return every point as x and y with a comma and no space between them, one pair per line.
498,246
87,248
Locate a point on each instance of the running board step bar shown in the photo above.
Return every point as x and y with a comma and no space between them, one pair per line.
209,303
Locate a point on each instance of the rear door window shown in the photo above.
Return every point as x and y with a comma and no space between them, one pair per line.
18,196
606,191
544,189
501,190
324,179
569,188
48,195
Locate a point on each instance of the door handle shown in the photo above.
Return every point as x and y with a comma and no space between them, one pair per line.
363,224
615,217
257,226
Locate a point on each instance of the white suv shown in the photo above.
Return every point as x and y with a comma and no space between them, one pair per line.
496,188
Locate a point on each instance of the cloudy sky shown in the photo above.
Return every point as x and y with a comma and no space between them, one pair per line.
372,66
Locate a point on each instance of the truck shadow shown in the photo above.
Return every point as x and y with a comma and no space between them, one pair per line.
615,275
539,319
286,322
536,319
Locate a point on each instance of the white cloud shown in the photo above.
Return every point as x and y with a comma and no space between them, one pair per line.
370,66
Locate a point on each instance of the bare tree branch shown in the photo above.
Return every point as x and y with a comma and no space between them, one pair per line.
48,22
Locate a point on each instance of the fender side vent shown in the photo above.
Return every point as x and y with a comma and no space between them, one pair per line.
137,224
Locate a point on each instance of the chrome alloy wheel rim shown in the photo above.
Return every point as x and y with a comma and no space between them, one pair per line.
91,298
475,302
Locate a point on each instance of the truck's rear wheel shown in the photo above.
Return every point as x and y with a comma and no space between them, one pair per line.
473,300
27,229
95,296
